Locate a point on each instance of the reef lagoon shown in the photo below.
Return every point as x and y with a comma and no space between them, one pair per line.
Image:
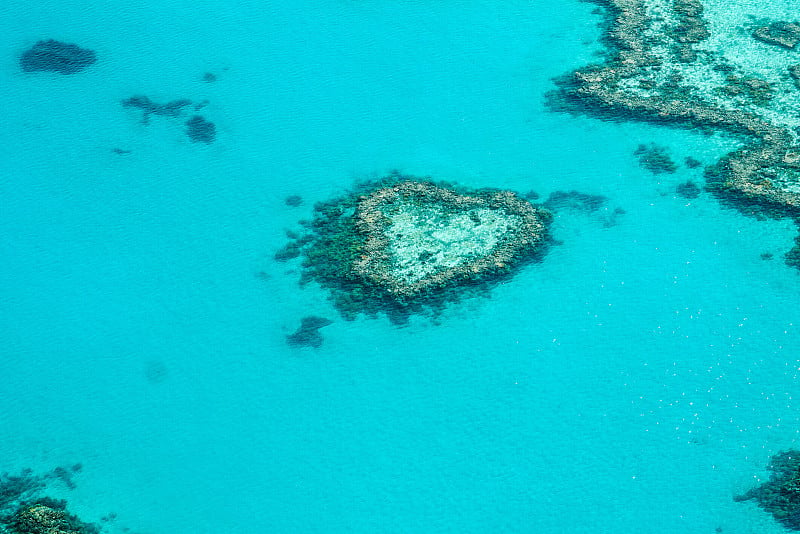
335,266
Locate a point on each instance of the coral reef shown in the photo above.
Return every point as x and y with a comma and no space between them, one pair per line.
780,495
55,56
666,64
404,244
307,334
47,516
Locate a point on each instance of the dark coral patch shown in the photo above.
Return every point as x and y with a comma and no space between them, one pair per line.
148,107
780,495
307,335
655,159
55,56
574,200
688,189
200,130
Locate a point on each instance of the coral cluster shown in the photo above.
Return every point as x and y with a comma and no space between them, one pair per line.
668,64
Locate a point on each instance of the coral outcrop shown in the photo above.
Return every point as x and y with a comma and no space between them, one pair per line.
404,243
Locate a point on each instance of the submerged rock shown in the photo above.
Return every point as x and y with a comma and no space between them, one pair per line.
55,56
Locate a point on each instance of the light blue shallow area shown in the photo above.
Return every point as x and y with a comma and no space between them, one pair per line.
634,381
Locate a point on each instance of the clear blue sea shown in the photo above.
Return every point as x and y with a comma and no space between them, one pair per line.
635,380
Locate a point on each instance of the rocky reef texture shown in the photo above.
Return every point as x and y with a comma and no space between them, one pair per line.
693,63
47,516
780,495
55,56
785,34
403,245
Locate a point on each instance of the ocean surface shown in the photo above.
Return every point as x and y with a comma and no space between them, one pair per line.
635,380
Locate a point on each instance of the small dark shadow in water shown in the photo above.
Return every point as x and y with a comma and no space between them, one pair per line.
155,371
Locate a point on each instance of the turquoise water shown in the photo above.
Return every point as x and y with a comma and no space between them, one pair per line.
634,381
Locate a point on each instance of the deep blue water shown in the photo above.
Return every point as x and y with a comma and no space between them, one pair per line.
633,381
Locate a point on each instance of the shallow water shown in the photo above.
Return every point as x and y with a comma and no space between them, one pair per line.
634,380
